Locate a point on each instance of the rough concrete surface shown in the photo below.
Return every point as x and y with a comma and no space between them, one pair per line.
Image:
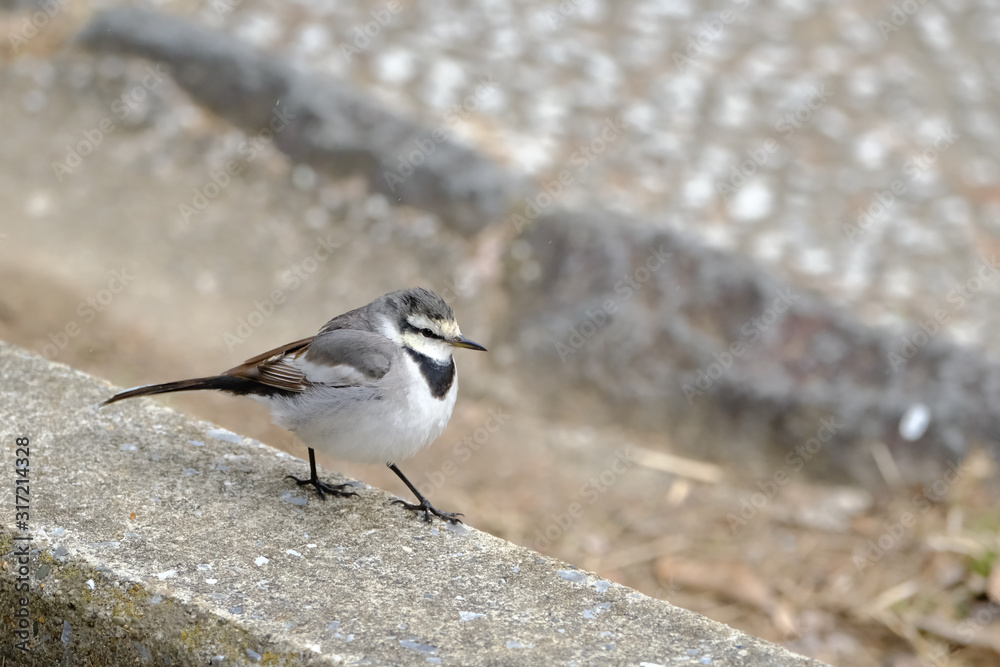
157,539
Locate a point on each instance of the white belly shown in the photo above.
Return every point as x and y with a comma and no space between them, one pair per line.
382,423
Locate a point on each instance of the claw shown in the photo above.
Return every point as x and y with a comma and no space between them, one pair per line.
428,510
322,488
424,505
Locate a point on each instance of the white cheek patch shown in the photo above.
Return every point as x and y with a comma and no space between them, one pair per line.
388,329
438,350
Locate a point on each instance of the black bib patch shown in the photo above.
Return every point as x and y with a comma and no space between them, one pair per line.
439,376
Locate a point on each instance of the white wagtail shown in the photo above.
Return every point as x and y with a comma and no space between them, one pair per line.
375,385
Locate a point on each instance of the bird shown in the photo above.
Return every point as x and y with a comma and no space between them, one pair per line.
375,385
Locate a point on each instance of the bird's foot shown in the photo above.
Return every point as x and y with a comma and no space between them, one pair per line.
428,509
322,488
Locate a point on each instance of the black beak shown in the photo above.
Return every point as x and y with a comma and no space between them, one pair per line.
466,343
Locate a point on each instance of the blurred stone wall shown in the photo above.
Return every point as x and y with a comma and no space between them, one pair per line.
844,150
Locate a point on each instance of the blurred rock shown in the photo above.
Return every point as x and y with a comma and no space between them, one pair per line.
314,119
732,363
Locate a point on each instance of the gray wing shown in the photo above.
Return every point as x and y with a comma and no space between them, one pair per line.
338,358
347,357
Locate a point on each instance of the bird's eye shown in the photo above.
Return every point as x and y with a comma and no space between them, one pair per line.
428,333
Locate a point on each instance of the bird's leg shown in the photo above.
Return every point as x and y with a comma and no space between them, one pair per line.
322,488
424,505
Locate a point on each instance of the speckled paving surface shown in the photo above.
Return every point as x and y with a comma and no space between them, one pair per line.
854,96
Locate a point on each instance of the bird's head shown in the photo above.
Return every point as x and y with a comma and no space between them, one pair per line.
423,322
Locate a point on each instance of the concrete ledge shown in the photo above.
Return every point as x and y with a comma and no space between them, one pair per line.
158,539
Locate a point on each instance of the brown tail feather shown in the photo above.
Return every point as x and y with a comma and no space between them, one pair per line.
181,385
